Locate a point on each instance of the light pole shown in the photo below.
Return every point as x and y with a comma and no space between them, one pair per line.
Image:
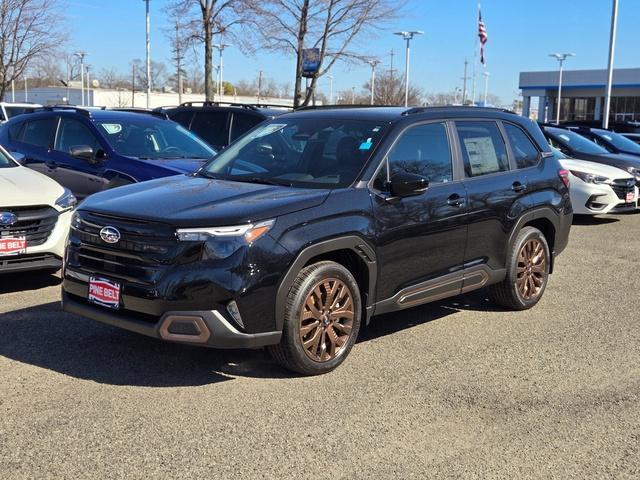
88,86
220,47
81,56
374,64
561,57
353,95
486,86
330,77
407,36
148,54
612,46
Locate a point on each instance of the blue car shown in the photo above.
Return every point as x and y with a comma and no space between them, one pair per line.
90,150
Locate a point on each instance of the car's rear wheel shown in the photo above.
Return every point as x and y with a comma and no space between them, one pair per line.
528,264
322,319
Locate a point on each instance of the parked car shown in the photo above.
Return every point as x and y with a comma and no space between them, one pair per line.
611,141
219,124
597,188
630,126
34,218
92,150
577,146
301,230
634,137
11,109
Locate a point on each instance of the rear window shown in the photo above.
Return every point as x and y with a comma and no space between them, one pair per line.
183,117
211,127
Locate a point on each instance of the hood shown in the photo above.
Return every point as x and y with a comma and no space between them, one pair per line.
619,160
595,168
21,186
182,165
188,201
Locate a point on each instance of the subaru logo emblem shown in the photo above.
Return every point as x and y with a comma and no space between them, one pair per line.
110,234
7,219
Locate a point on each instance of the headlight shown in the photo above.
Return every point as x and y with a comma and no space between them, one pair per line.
635,172
67,201
590,177
246,233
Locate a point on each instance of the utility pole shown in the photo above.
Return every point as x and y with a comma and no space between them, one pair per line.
353,95
330,77
220,47
561,57
486,86
373,64
81,56
259,85
26,91
133,85
148,53
464,83
178,62
407,37
612,47
88,86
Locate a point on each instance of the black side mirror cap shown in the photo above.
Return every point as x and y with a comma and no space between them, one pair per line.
405,184
85,152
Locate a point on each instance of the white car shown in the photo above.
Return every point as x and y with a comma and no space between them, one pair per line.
35,214
596,188
11,109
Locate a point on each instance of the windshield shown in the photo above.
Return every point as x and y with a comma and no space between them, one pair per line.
13,111
5,162
153,138
299,152
618,141
575,142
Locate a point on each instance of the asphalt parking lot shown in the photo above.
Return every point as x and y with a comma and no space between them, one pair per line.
454,389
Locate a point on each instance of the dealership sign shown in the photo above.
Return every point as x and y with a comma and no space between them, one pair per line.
310,61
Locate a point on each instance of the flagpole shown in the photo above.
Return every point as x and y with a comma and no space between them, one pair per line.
475,59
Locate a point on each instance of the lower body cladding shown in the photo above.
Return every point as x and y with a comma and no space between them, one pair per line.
206,328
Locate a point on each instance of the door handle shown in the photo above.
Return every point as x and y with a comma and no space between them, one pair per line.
455,200
518,187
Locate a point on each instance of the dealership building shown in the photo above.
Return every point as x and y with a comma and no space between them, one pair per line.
582,96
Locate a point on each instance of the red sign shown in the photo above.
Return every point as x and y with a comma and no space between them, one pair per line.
631,197
103,292
13,246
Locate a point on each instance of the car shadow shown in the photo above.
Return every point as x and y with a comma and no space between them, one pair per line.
23,282
593,220
48,338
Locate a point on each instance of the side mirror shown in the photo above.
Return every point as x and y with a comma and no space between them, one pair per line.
18,157
85,152
405,184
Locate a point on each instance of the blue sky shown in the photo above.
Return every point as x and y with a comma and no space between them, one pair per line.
521,34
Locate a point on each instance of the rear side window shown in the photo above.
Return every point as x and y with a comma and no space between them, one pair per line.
523,149
39,132
483,148
211,127
183,117
423,150
15,131
242,124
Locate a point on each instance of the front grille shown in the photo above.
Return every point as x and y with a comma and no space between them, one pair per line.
622,187
34,223
144,251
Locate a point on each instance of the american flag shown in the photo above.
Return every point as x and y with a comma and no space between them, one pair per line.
482,35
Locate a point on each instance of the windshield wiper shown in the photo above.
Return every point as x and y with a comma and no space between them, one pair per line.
205,174
263,181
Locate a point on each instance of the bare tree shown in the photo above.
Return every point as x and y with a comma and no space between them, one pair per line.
200,20
158,73
331,26
29,30
389,90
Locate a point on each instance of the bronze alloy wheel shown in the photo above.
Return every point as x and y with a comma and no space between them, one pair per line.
326,319
531,269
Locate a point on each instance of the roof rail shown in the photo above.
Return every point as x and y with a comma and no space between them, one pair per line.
75,108
413,110
154,112
342,106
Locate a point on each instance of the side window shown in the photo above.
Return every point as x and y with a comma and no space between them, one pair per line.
211,127
423,150
39,132
72,133
183,117
15,131
524,150
242,124
483,148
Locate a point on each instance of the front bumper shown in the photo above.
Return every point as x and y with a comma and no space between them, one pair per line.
596,199
205,328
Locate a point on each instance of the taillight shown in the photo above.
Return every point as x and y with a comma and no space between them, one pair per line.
564,176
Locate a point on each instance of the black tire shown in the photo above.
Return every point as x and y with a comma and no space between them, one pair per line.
291,352
507,293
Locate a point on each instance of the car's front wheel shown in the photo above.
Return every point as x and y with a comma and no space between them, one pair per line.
322,319
528,264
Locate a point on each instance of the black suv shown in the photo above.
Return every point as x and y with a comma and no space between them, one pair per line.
219,124
300,231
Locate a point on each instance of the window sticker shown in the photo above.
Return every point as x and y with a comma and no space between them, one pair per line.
377,129
112,128
366,145
269,129
482,155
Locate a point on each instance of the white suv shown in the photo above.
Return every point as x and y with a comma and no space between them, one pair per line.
35,213
11,109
